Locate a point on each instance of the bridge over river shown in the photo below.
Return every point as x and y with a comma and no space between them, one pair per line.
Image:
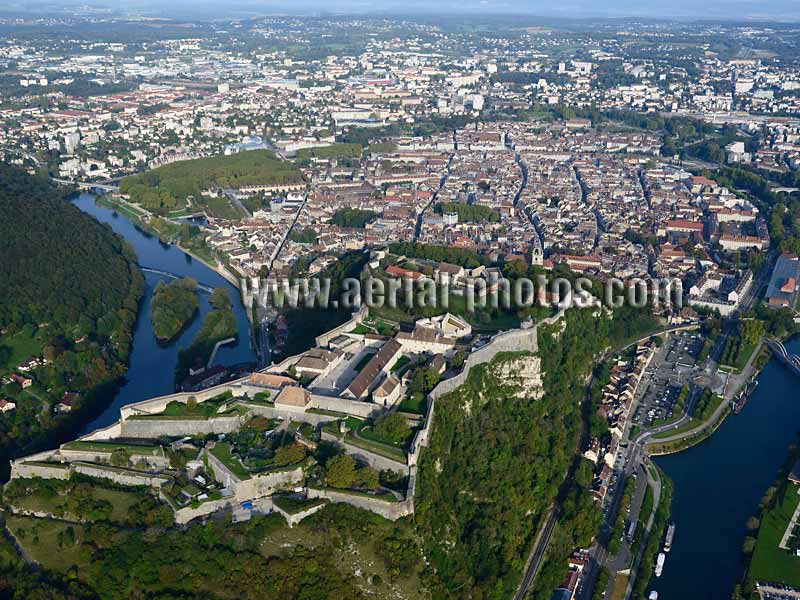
101,187
200,286
790,360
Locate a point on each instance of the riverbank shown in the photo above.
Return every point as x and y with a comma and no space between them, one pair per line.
719,483
135,212
680,437
152,366
767,547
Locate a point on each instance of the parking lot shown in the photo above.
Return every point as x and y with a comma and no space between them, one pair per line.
673,366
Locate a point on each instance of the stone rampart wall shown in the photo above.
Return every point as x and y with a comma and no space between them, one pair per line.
160,462
267,483
151,428
322,340
294,518
388,510
276,413
239,387
343,405
111,432
120,476
374,460
187,513
28,470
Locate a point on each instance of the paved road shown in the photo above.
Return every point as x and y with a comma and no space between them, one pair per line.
655,485
421,215
730,392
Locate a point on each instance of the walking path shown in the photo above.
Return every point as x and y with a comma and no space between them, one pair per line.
784,545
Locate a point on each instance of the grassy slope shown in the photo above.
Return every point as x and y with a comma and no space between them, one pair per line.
771,563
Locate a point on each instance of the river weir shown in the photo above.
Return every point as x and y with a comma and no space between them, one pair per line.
151,369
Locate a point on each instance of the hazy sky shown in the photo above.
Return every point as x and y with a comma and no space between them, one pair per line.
778,10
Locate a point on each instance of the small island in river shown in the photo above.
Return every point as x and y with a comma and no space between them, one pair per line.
173,306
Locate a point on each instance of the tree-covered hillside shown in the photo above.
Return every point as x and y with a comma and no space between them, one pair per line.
69,294
498,455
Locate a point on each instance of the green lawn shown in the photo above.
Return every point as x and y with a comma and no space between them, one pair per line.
20,346
200,410
384,496
373,443
400,363
376,447
221,208
368,433
771,563
222,451
415,403
361,329
121,502
39,540
294,505
109,447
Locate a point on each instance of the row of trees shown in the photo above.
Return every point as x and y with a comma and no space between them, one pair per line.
352,217
469,213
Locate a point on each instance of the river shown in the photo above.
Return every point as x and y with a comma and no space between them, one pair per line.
152,366
719,483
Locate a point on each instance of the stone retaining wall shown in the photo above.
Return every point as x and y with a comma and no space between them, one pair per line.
374,460
294,518
238,388
187,513
257,485
154,427
267,484
343,405
276,413
388,510
111,432
159,462
121,476
28,470
356,319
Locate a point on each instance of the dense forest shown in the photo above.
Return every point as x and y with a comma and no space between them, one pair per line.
160,189
172,307
69,295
